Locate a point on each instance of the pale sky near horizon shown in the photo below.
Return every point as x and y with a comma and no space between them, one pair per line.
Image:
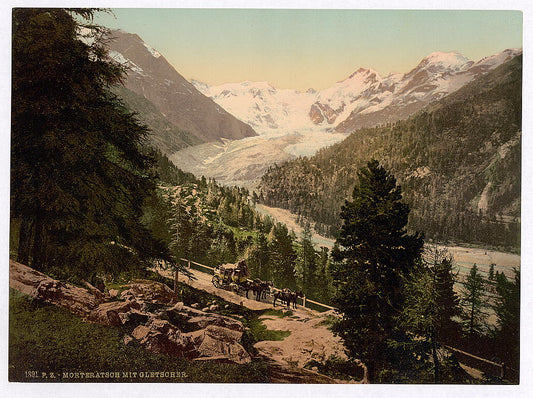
301,49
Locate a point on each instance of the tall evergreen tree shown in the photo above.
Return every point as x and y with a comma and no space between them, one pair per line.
78,176
440,265
420,316
306,261
375,253
473,302
429,307
507,309
324,284
283,257
258,258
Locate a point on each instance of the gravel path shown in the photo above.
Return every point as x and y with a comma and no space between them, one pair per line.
310,337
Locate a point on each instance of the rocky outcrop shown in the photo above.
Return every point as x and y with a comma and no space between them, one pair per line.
36,284
161,337
222,343
148,291
204,321
213,336
110,313
320,111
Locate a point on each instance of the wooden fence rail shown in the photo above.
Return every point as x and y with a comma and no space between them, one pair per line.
496,369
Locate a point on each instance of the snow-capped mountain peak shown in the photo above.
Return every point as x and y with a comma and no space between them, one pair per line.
452,58
497,59
152,50
364,97
442,62
363,73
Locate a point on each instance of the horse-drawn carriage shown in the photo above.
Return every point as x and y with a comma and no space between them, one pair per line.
230,276
234,277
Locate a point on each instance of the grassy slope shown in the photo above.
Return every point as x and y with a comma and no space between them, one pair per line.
47,338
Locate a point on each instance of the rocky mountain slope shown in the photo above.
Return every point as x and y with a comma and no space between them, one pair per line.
263,106
151,76
364,99
396,97
164,135
458,161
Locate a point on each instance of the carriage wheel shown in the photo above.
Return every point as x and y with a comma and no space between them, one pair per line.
216,281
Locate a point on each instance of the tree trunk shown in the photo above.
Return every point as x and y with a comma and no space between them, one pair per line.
369,370
24,244
176,275
38,249
436,363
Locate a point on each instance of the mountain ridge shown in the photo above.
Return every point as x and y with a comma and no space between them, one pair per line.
458,161
363,99
153,77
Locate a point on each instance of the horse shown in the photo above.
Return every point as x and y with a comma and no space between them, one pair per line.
257,288
288,296
246,286
267,288
283,295
294,297
254,286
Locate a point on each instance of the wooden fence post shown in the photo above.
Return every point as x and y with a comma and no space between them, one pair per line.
189,263
303,302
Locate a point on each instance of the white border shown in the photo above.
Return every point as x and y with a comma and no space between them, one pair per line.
271,390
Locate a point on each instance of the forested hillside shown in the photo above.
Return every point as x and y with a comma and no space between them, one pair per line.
212,224
458,162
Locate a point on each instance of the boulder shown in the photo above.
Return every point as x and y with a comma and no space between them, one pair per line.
177,307
109,313
133,317
36,284
161,337
150,291
221,343
196,337
223,334
113,293
127,339
96,291
213,307
192,311
203,321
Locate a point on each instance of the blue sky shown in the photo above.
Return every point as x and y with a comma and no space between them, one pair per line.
312,48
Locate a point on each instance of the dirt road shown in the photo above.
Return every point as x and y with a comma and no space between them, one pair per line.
310,338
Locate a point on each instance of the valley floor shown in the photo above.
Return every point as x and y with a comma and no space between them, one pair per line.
464,257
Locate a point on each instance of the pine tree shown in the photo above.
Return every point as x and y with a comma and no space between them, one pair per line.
491,272
78,175
473,302
441,267
324,284
307,261
375,253
258,258
429,307
507,309
283,257
420,316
